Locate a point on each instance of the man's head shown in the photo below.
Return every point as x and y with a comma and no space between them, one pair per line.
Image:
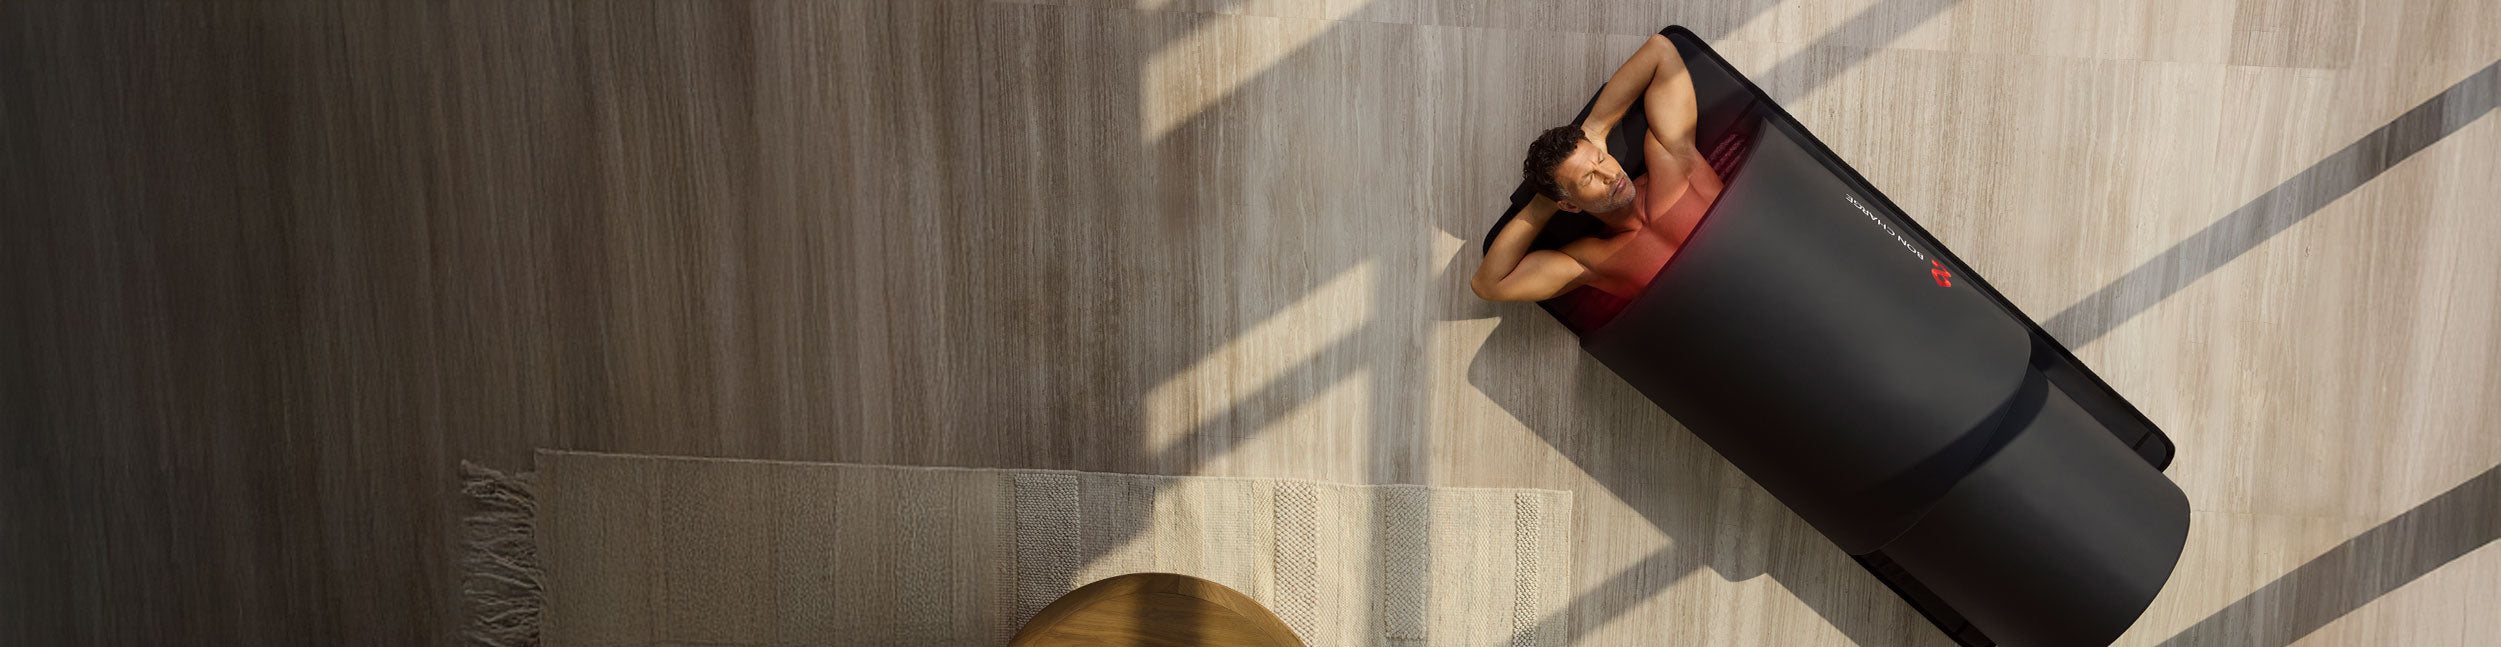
1577,173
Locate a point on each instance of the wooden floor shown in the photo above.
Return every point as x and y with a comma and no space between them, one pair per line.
269,271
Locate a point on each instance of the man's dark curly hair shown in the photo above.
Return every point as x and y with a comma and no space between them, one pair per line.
1548,152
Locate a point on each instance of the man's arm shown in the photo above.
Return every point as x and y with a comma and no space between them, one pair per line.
1638,78
1514,273
1668,100
1677,171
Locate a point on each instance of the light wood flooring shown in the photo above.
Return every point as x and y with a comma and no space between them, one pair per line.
269,271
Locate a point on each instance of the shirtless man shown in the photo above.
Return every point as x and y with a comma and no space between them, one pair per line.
1645,219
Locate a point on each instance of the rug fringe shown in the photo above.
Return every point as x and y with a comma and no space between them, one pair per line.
500,581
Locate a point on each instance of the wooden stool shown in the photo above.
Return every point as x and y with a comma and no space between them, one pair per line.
1154,610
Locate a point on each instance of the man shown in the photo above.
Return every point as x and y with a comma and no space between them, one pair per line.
1644,220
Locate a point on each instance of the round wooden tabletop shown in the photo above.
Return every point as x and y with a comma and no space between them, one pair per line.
1154,610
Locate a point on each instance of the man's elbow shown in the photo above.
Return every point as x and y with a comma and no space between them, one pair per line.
1485,290
1502,297
1506,293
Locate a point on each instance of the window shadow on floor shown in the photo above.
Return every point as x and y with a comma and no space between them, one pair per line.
2358,571
2278,209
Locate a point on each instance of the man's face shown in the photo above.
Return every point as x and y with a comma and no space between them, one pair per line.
1592,181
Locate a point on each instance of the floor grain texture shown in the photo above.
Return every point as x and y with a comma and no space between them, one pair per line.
272,270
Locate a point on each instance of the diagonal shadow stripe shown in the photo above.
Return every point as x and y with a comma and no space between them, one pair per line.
1629,586
1306,381
2358,571
2278,209
1873,28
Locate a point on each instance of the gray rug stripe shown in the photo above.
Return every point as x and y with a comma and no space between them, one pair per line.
1298,557
1528,530
1047,519
921,516
1405,553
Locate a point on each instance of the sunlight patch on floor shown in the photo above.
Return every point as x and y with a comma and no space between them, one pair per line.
1222,53
1288,339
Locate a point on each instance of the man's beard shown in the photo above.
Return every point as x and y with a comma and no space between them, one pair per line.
1604,207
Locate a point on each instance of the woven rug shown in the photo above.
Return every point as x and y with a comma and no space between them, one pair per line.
606,549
